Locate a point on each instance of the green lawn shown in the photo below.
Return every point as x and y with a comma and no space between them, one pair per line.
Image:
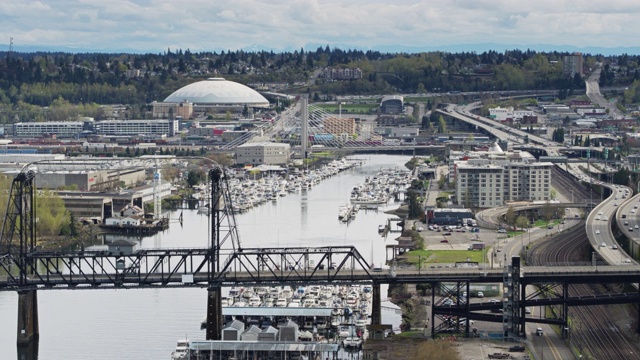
443,256
514,233
417,99
349,108
543,223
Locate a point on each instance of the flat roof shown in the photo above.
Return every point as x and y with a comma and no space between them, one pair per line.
274,311
217,345
456,210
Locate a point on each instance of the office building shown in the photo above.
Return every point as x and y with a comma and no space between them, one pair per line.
263,153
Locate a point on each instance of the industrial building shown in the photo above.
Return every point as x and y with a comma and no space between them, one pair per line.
448,216
91,180
263,153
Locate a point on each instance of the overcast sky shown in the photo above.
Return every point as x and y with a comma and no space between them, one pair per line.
214,25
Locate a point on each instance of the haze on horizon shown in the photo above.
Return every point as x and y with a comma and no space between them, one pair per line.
280,25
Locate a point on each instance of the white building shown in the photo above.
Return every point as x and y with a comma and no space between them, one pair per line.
502,114
137,127
37,129
491,178
263,153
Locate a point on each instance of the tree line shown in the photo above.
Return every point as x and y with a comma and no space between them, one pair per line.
30,82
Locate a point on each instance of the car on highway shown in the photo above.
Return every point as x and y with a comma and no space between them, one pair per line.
614,247
635,227
626,223
597,231
597,217
603,244
633,211
539,332
480,294
630,229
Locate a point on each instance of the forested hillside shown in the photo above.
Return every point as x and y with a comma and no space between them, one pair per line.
31,81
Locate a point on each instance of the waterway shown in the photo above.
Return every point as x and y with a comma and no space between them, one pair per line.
145,324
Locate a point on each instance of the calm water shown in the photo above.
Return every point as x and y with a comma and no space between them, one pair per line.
145,324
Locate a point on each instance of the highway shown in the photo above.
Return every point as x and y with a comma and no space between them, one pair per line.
598,225
630,224
495,128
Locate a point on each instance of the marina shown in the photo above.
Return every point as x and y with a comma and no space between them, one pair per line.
159,317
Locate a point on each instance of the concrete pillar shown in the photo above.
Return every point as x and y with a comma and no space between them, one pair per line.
28,329
376,309
214,314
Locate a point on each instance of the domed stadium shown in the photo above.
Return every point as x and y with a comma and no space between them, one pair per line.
218,92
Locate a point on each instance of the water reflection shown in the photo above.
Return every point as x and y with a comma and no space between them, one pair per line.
145,324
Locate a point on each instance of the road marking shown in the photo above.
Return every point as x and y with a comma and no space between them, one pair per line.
554,350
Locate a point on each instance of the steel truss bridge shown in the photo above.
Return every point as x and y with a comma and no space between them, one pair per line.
25,268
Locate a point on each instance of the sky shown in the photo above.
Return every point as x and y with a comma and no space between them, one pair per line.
154,26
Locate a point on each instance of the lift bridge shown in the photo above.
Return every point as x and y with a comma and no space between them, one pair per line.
25,268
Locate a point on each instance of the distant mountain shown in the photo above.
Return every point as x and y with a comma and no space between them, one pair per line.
453,48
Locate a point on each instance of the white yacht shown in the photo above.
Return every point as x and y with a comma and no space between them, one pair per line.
182,350
255,301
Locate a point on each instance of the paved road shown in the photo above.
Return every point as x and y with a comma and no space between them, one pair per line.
630,224
593,92
598,224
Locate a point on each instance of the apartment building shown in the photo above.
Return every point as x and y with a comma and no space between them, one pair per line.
490,178
491,185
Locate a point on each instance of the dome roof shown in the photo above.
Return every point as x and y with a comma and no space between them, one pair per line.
218,91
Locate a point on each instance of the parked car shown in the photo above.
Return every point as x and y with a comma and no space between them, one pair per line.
480,294
502,231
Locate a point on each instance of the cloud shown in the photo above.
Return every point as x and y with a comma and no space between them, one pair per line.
152,25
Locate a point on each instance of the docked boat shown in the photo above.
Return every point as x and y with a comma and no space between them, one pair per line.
182,350
352,341
204,211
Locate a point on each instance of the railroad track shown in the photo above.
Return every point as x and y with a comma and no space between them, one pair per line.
561,180
592,331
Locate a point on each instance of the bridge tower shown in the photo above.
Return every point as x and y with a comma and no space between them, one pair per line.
512,321
156,194
17,243
304,122
223,228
